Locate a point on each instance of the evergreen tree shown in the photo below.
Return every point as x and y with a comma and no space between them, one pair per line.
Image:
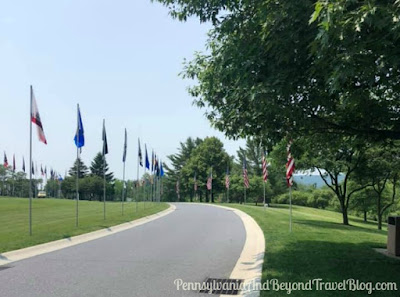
97,166
83,170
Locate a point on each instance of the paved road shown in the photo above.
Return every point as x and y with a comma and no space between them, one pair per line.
192,243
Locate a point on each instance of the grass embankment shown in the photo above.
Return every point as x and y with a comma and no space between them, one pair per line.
321,247
55,219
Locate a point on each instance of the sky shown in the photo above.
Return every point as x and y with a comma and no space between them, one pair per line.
119,60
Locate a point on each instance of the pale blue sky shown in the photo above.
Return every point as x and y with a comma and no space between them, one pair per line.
118,59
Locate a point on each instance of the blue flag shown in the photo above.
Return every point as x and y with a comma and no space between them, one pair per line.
146,158
79,137
161,169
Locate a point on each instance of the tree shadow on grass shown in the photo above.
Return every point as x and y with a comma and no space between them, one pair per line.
301,261
339,226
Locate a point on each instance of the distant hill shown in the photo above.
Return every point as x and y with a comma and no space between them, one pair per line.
313,179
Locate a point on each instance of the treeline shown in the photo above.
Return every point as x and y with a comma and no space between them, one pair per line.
360,179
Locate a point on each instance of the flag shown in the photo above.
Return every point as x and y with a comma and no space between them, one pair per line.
23,164
33,169
14,167
105,145
195,182
45,171
289,166
177,187
146,158
227,181
245,175
264,168
79,136
140,154
41,170
35,118
152,161
125,147
209,181
5,164
161,170
156,166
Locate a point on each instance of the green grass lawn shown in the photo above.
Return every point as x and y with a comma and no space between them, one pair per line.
55,219
321,247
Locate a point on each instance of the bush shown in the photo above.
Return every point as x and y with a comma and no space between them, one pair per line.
319,198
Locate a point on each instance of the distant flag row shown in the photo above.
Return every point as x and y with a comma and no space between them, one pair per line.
43,170
290,167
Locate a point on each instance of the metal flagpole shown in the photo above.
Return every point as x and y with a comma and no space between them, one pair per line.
264,195
104,169
104,186
211,191
123,190
144,187
30,167
290,209
77,169
137,183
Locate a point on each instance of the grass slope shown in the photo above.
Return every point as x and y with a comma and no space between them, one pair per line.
321,247
55,219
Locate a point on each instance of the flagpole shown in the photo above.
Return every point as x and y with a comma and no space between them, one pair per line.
104,171
144,187
30,167
123,189
290,209
264,194
137,179
77,171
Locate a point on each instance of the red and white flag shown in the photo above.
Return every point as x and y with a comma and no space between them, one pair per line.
245,174
289,166
35,118
209,182
5,164
227,181
264,168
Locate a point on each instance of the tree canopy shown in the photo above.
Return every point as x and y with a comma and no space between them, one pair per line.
298,67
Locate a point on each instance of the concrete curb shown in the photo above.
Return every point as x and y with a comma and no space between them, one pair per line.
250,263
12,256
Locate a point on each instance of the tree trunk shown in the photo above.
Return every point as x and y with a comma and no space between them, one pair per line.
212,197
344,213
365,216
379,221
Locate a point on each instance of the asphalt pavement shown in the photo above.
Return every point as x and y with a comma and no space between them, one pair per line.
192,243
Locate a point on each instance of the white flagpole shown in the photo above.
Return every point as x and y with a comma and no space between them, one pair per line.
30,166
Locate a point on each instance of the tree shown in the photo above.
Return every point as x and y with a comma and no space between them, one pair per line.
83,170
208,155
270,70
99,164
333,157
381,168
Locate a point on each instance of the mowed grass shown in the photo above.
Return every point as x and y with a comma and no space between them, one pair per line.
54,219
321,247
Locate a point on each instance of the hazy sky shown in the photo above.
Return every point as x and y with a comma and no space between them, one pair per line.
119,60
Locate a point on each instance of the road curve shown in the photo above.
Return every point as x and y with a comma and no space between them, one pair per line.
192,243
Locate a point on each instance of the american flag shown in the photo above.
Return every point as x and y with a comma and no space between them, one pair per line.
289,166
245,176
209,182
227,181
5,164
264,168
